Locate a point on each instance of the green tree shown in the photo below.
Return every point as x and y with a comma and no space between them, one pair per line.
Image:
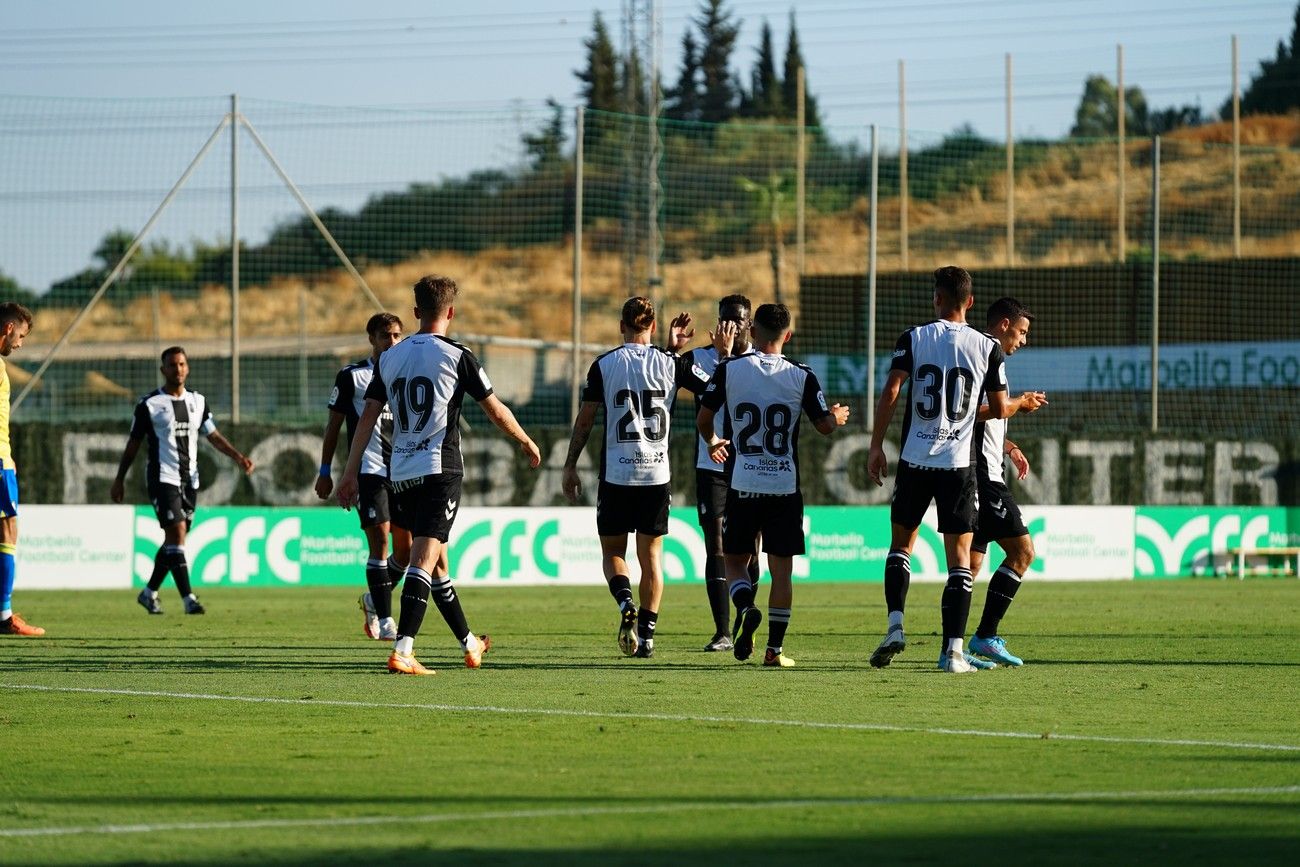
600,76
12,290
1276,89
682,101
718,34
790,81
1164,120
1095,117
765,98
769,203
545,148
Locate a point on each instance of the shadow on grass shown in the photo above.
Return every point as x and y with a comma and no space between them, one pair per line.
1055,845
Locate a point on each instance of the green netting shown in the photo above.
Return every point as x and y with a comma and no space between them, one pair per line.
489,197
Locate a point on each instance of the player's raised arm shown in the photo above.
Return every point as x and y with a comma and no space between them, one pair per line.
680,332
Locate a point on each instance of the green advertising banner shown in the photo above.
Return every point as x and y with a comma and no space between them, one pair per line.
261,547
1177,541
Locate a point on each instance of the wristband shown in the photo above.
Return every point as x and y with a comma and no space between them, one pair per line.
324,471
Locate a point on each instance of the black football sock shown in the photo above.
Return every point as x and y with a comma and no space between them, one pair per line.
444,596
620,587
717,590
645,624
381,589
1002,589
956,604
898,577
415,601
180,569
161,566
778,619
395,572
742,595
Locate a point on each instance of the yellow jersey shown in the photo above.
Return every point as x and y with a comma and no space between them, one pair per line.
6,453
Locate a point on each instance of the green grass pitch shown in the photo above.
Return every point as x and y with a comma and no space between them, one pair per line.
1153,722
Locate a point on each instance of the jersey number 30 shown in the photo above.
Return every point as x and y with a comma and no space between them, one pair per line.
957,384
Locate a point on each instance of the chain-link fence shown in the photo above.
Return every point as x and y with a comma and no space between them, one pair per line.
683,212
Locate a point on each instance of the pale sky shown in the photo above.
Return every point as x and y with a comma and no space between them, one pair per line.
511,55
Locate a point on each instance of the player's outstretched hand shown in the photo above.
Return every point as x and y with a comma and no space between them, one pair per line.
718,451
347,491
533,453
117,491
680,332
1032,400
246,464
571,485
324,486
877,465
724,338
841,413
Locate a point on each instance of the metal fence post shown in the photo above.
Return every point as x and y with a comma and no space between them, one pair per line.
1155,284
575,384
867,415
234,258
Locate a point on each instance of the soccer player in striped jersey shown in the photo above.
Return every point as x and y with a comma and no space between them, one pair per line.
730,338
951,367
424,379
15,323
171,420
378,521
635,385
762,394
999,517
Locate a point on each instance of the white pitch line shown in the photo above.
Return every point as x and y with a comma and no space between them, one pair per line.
662,717
641,809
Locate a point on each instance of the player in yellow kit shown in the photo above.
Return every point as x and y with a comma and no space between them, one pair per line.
15,323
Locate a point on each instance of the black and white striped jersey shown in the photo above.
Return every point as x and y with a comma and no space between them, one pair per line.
951,368
636,384
706,359
171,426
992,438
349,400
423,380
762,396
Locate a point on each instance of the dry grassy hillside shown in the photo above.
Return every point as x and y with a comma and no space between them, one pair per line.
1066,207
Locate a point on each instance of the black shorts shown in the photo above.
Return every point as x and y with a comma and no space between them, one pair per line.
427,505
777,517
623,509
373,494
710,496
173,504
953,491
999,516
